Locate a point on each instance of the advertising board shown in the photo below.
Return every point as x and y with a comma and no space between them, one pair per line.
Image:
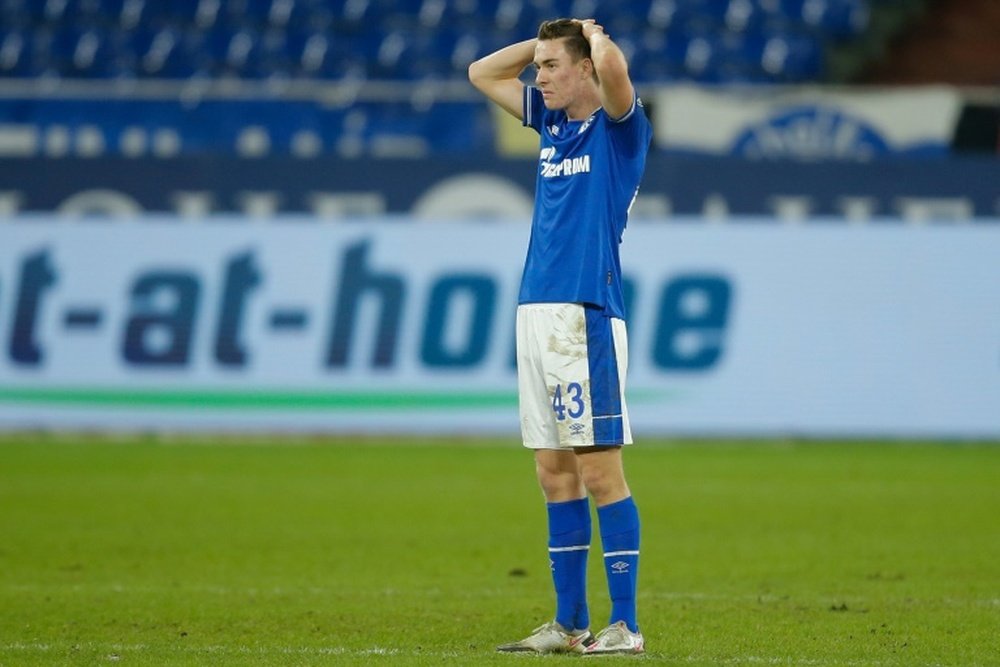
405,326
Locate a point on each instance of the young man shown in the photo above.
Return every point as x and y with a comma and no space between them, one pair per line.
571,348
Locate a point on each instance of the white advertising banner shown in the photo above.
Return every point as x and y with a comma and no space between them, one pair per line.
807,123
748,328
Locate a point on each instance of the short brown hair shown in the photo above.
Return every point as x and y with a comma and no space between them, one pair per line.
576,44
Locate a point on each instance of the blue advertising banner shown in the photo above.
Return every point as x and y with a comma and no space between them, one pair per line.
491,187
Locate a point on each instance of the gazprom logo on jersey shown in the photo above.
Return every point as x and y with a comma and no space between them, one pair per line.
552,167
811,132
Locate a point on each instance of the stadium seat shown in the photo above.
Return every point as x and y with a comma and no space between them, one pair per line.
325,55
744,16
159,53
88,54
837,19
134,14
15,52
409,39
789,57
655,56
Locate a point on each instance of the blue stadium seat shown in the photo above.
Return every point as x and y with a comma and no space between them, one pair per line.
665,14
134,14
409,39
195,14
14,14
359,16
253,12
519,18
394,54
162,54
839,19
325,55
790,57
273,55
287,13
16,53
51,12
86,53
745,16
435,14
435,54
656,55
233,52
717,10
472,46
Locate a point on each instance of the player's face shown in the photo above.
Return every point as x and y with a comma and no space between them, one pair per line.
556,75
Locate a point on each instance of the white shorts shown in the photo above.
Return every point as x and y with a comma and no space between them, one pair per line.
571,363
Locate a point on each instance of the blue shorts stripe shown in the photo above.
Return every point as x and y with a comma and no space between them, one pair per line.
609,431
605,385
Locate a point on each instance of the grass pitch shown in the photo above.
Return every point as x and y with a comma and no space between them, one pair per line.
414,552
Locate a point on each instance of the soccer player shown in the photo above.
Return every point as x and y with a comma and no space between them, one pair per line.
571,347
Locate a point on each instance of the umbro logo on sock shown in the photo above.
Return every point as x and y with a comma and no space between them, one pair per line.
620,567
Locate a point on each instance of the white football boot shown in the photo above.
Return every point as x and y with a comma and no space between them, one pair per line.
616,639
550,638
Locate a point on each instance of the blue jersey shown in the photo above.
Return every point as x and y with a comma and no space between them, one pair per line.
588,175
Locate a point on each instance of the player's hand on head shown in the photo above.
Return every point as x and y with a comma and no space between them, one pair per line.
590,27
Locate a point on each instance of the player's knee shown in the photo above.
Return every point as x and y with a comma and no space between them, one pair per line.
559,485
597,482
604,483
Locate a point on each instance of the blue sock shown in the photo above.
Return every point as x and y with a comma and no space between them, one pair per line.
620,538
569,542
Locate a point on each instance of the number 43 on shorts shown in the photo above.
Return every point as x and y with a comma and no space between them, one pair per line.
573,406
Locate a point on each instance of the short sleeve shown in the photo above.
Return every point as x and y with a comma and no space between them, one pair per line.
632,132
534,108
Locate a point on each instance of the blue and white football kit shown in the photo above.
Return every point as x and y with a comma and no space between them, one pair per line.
572,351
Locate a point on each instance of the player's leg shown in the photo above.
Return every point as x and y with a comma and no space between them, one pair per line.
604,477
556,465
569,526
559,475
566,500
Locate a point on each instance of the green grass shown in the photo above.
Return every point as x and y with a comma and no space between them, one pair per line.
415,552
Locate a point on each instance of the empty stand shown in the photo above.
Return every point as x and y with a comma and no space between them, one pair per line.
187,45
699,40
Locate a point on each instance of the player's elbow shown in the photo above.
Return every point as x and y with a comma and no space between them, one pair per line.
479,75
476,74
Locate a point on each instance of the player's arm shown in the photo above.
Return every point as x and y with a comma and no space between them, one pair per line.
497,75
617,93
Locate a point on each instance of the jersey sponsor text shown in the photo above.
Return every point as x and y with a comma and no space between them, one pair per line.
567,167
